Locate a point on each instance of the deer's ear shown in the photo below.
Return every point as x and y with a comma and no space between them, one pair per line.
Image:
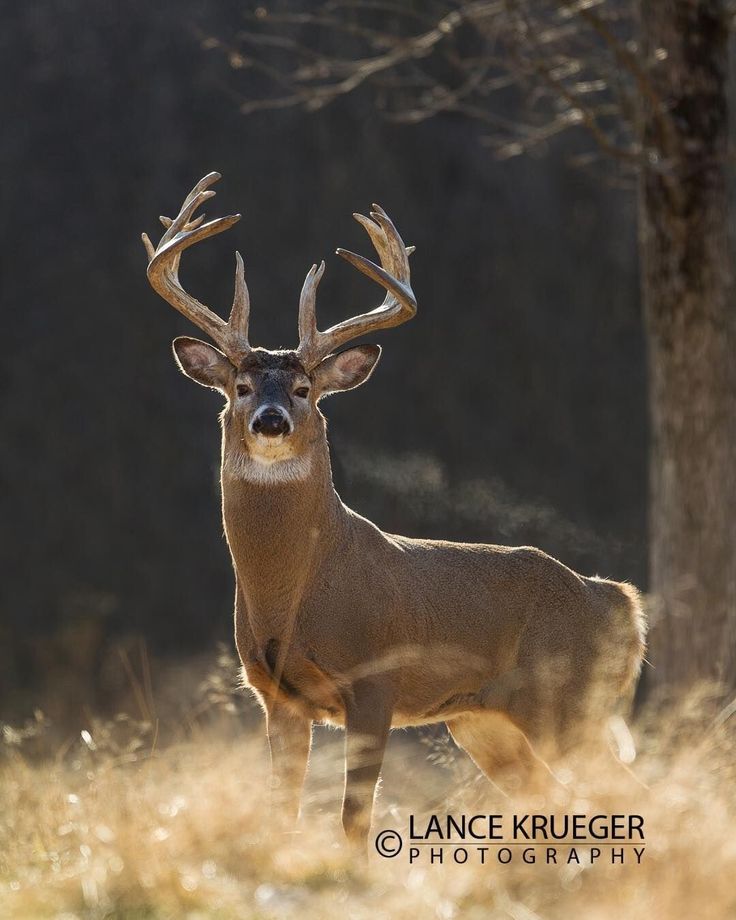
202,362
347,369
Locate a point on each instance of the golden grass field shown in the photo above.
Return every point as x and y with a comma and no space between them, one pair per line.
163,813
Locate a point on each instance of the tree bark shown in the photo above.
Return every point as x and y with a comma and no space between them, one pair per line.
691,333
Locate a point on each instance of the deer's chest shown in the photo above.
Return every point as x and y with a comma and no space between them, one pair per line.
295,678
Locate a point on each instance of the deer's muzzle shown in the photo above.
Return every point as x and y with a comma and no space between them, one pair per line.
271,421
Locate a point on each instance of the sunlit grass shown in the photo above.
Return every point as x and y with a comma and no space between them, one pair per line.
134,819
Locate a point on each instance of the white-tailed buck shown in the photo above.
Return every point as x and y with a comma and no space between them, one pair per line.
337,621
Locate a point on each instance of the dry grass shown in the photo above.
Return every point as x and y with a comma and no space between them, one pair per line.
132,820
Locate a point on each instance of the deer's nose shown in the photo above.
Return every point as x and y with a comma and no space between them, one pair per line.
271,422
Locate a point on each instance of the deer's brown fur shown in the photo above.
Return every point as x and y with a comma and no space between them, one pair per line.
337,621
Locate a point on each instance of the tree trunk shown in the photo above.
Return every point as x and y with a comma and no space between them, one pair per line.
691,332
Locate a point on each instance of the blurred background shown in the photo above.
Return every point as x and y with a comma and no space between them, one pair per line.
511,410
564,168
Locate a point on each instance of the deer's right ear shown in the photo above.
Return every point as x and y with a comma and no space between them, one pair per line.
202,362
346,369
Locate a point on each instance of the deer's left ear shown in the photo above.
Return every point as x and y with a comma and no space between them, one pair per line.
202,362
346,370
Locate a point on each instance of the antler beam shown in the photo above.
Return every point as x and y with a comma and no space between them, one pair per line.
163,272
393,274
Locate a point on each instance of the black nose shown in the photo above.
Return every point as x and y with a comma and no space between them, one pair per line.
271,423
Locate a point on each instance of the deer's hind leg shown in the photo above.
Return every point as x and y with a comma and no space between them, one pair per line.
499,749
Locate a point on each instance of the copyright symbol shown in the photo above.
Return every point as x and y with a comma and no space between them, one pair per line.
389,843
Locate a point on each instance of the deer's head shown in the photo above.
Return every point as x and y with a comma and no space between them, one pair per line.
272,417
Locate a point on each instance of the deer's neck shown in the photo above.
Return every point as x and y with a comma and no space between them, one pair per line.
281,530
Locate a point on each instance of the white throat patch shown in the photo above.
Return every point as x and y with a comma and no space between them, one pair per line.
275,465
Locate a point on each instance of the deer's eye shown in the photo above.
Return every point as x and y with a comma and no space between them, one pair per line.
243,389
301,392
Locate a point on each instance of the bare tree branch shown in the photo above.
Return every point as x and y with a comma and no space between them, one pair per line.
574,61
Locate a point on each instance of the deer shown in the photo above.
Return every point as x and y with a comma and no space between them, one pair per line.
338,622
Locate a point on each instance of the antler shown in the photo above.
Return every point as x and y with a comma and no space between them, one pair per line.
163,272
393,274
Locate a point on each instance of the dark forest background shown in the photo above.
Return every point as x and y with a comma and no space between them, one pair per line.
512,409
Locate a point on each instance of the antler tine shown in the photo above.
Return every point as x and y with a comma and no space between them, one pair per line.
163,272
393,274
240,311
308,331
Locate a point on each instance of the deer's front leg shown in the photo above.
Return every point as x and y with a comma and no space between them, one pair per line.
289,740
367,724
